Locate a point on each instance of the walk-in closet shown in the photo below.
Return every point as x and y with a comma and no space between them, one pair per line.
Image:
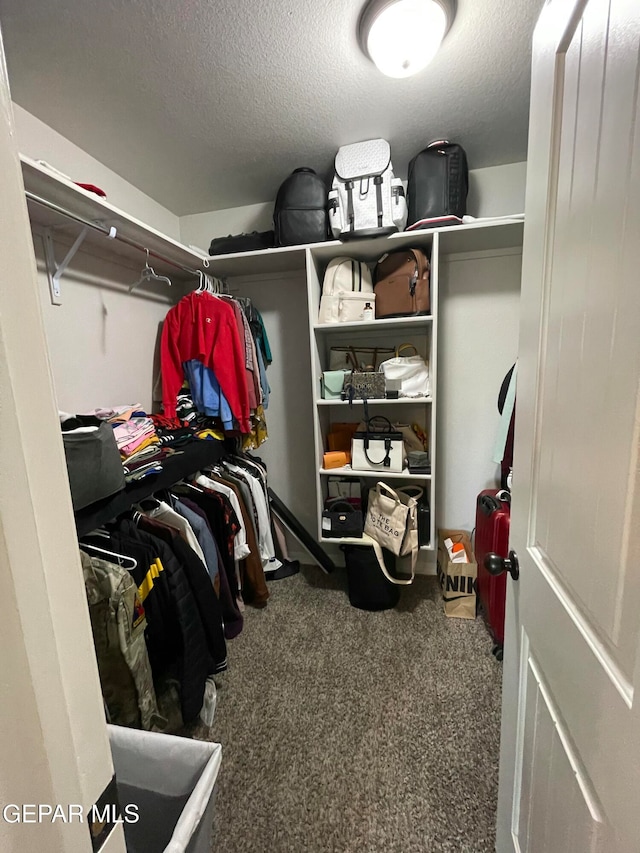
313,534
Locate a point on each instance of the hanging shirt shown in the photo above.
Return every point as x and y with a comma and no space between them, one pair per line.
173,519
206,393
240,547
204,327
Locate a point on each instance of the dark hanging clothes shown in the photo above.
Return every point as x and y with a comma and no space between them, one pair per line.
233,619
201,586
194,661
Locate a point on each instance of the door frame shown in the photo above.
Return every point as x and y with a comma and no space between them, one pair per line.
52,727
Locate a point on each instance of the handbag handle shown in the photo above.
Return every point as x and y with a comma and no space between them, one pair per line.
389,427
406,346
340,503
353,358
417,495
383,487
387,459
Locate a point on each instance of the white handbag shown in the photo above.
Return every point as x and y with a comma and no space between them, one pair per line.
392,523
408,373
377,450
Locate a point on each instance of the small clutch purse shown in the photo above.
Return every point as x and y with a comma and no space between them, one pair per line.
332,383
341,519
366,384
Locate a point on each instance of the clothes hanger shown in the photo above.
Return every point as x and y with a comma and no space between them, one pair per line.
119,557
149,274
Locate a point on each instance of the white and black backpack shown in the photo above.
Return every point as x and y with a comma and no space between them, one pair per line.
365,199
347,287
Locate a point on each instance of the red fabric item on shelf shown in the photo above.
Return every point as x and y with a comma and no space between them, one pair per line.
92,188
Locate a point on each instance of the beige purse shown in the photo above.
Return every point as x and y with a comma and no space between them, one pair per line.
392,523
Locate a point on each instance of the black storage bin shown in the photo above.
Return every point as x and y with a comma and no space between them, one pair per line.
368,588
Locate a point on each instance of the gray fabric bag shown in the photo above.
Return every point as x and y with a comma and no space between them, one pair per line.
93,462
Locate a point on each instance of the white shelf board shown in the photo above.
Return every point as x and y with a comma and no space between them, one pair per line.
265,261
480,236
415,401
371,248
380,475
477,236
347,540
372,325
50,186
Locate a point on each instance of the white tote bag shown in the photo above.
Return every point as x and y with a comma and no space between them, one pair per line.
392,523
408,373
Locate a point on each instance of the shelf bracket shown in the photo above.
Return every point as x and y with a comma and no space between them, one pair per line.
55,270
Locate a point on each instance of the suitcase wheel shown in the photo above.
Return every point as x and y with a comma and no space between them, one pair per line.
498,652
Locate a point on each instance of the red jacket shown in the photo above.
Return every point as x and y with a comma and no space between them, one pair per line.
204,327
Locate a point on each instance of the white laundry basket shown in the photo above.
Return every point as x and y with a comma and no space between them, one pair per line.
171,780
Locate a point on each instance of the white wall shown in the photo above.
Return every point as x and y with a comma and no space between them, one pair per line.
478,342
494,191
40,142
103,341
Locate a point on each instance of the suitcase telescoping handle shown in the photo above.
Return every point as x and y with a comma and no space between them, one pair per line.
496,565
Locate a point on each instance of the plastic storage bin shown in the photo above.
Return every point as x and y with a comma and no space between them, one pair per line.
171,780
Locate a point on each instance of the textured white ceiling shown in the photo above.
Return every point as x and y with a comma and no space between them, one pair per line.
209,104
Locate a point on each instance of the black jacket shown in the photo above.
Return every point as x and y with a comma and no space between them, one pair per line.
194,662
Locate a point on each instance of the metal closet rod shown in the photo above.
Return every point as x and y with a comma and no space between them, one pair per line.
103,229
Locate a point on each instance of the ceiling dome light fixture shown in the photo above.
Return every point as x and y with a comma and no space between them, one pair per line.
402,36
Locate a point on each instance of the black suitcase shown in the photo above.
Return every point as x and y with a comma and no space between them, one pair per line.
300,215
438,183
368,588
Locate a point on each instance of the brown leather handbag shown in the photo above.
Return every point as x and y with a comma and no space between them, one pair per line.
402,284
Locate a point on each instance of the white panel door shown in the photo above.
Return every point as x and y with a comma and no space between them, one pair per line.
570,755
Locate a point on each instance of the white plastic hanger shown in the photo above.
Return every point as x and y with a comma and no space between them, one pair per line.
119,557
149,274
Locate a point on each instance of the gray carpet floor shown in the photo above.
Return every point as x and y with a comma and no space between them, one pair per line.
346,731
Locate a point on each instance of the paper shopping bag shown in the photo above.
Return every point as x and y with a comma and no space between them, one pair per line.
458,581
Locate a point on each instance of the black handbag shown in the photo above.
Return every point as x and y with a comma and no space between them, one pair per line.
341,520
300,214
438,183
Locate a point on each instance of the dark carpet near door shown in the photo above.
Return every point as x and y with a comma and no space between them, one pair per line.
350,731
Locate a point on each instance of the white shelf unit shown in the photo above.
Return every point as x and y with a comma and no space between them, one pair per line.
422,332
482,236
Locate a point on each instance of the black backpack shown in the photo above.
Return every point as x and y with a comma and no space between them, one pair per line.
300,214
438,182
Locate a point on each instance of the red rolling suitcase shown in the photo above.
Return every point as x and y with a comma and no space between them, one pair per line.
492,534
